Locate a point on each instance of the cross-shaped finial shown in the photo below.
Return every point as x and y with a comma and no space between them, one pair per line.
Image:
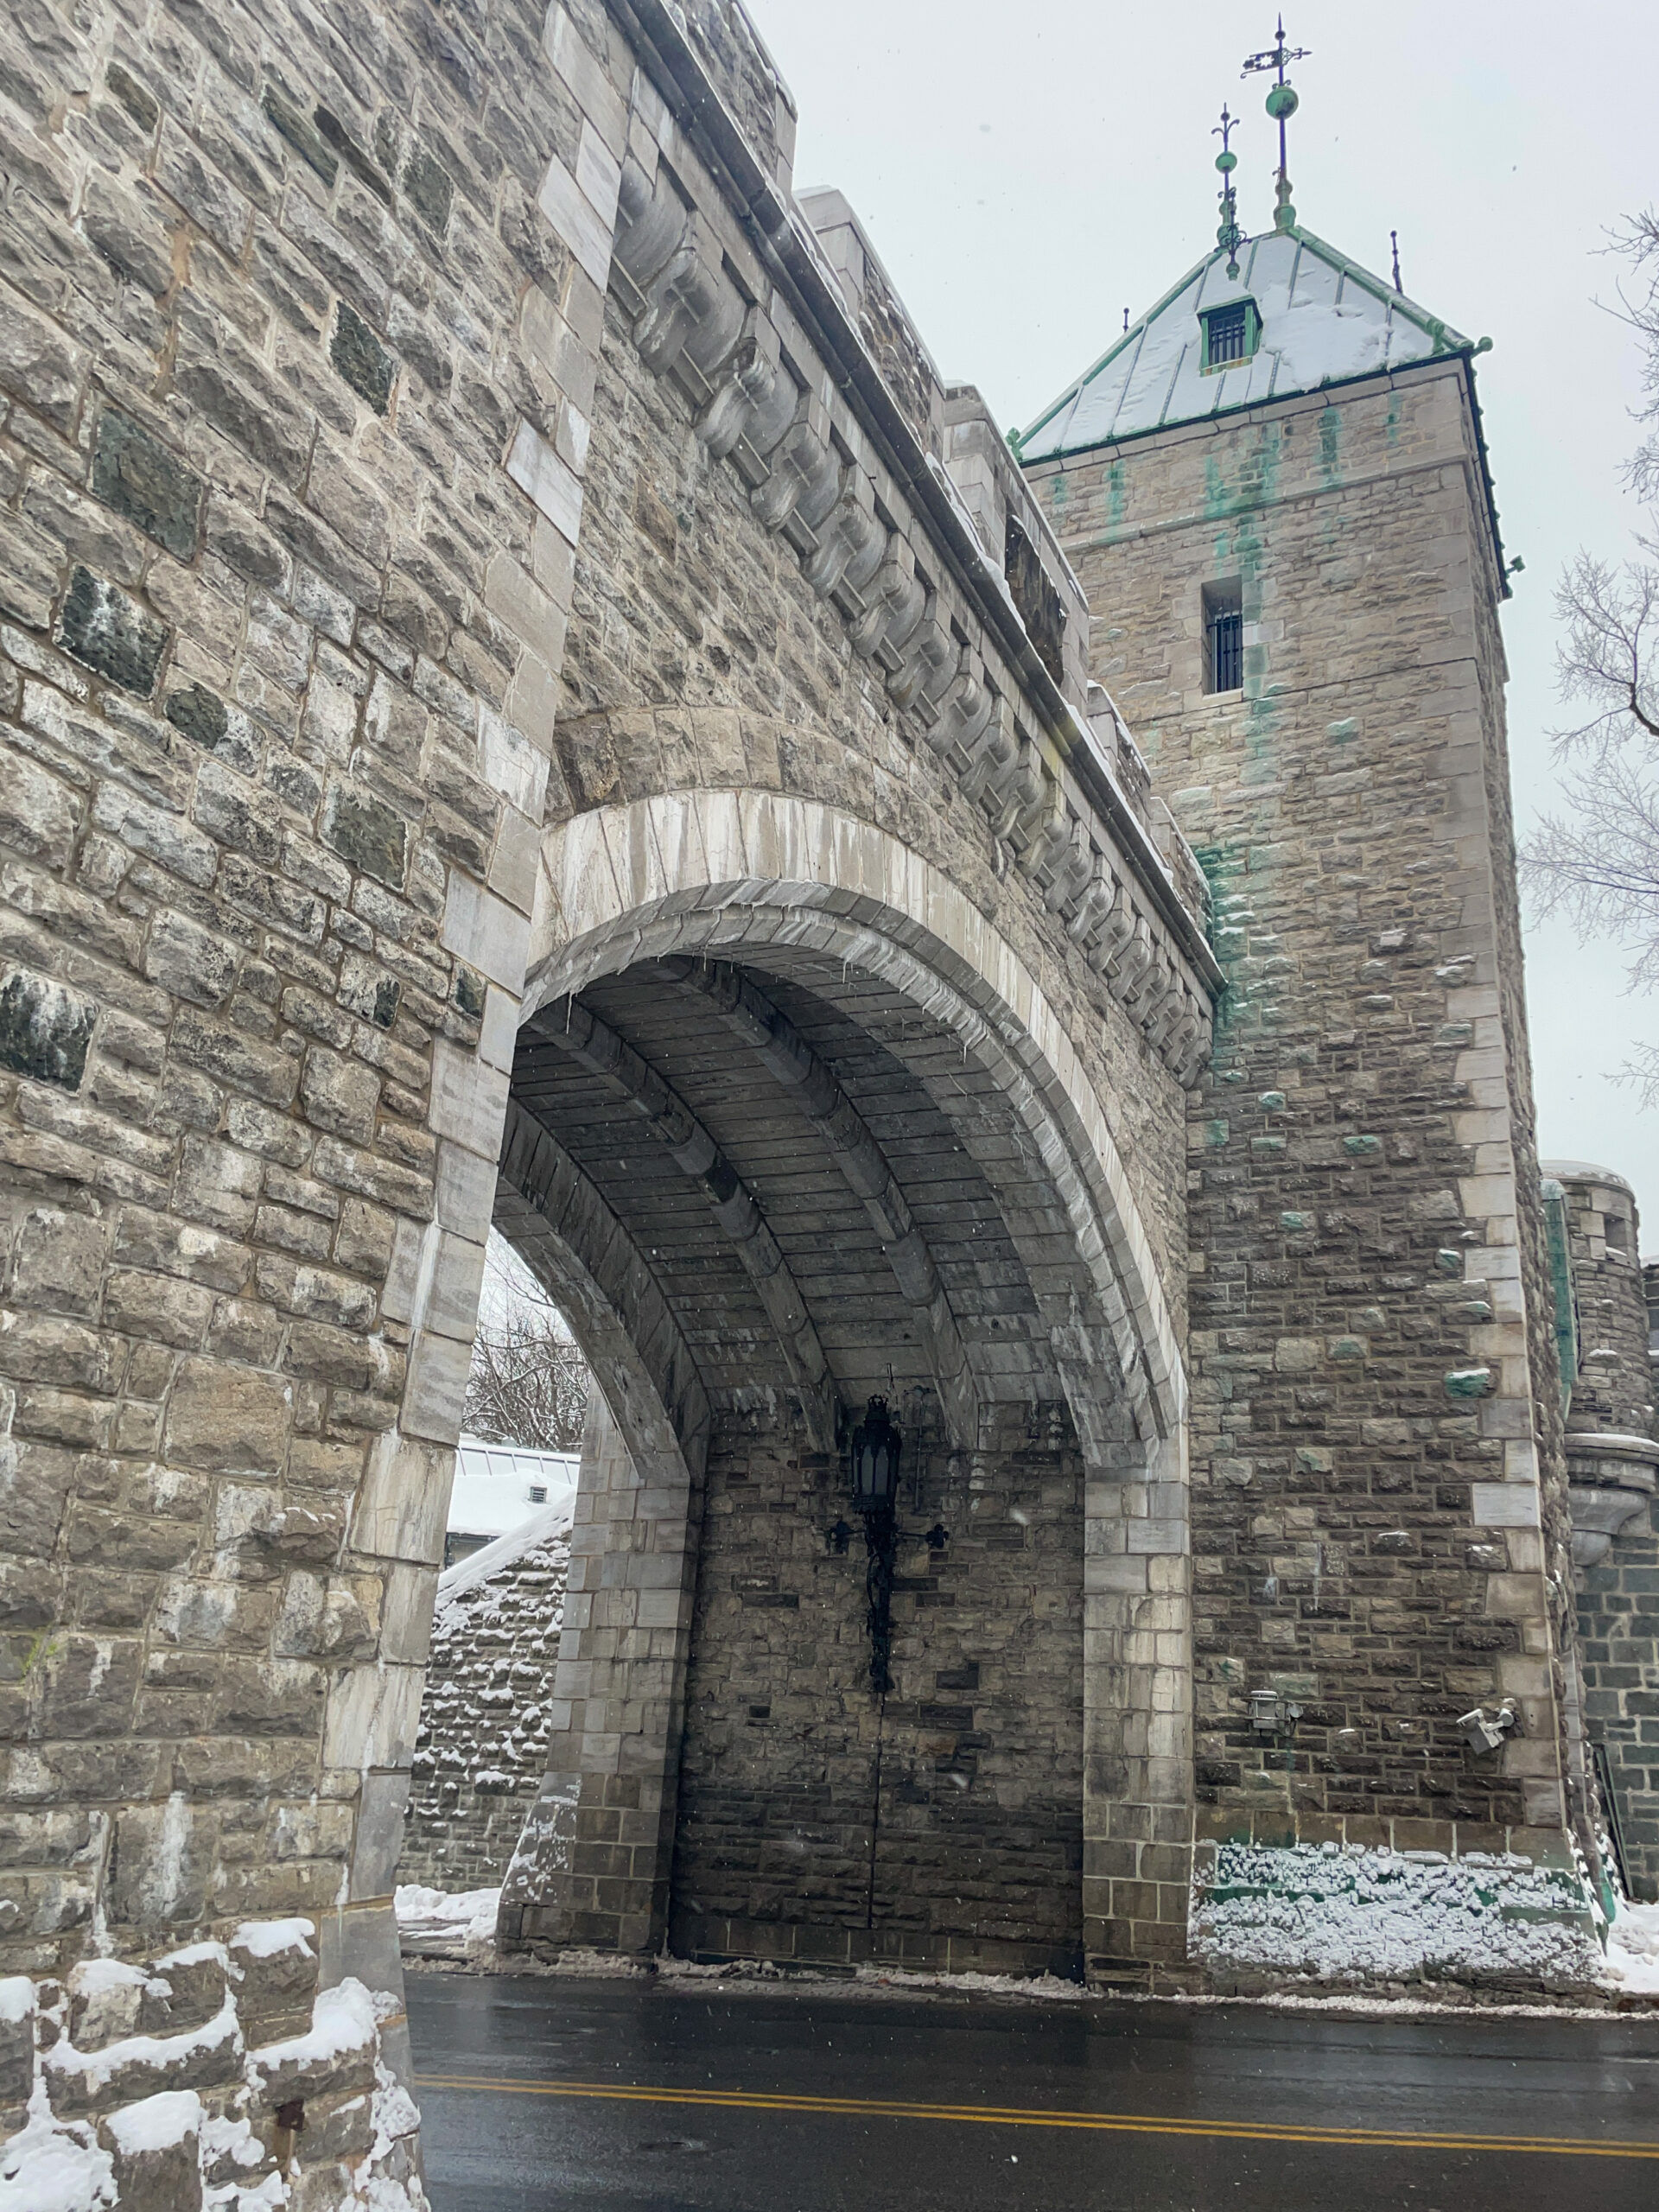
1282,105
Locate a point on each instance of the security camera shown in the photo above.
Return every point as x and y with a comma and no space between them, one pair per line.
1482,1735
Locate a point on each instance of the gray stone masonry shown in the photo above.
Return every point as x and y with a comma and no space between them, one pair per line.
1612,1464
942,1828
1378,1489
1618,1654
298,318
481,1748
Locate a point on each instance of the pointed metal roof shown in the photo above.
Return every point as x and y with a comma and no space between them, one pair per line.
1323,320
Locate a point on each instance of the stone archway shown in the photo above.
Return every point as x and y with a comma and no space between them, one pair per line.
734,978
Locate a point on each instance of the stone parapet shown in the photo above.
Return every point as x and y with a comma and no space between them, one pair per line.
735,306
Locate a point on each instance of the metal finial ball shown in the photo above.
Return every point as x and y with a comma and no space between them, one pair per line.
1226,163
1282,102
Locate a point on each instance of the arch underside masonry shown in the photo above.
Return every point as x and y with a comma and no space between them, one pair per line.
704,1038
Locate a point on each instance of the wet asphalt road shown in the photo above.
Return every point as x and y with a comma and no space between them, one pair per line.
1206,2110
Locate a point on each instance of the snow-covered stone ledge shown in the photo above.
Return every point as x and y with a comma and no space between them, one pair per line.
217,2078
1348,1915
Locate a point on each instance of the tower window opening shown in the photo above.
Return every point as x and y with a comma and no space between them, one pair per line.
1230,334
1223,638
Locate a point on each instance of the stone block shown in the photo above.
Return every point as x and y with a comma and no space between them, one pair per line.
61,1261
46,1029
366,833
339,1095
18,2009
104,2082
156,2144
361,360
335,2058
227,1419
142,480
275,1966
109,632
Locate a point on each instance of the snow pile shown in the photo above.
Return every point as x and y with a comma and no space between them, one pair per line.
1632,1962
54,2167
1345,1913
156,2122
263,1939
469,1917
342,2024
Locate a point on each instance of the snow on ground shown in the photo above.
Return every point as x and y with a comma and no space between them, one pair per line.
1633,1951
457,1926
55,2166
437,1924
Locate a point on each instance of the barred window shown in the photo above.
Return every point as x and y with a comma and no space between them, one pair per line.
1223,638
1231,334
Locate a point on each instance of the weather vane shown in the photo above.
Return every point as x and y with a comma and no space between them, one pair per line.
1282,103
1229,235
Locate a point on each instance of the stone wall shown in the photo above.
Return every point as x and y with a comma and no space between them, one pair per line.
217,2073
699,656
1378,1491
1618,1654
481,1748
943,1826
795,697
298,320
1612,1462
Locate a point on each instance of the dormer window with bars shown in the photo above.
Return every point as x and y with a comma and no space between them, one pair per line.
1231,334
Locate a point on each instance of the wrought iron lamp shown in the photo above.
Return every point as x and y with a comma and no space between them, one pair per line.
876,1447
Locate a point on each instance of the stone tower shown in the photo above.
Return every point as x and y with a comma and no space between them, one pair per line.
1274,491
1613,1468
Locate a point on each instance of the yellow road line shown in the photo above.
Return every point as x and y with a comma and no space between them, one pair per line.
1122,2123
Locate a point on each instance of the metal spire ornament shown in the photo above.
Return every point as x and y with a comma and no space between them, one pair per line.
1229,235
1282,103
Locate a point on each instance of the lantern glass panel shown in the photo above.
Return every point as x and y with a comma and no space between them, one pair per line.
875,1459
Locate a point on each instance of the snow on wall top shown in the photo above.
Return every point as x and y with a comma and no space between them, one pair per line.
1324,320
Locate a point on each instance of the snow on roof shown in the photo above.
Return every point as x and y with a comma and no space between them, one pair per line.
1323,321
496,1486
546,1522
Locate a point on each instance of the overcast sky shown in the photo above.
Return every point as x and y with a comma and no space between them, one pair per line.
1029,172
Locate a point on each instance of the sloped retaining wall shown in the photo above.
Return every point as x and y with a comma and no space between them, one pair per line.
481,1750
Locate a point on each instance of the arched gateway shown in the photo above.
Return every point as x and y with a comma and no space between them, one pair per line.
526,699
793,1126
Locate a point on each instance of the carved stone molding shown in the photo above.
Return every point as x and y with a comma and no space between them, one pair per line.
1612,1478
693,326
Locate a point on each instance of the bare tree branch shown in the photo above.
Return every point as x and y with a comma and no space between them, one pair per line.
1597,859
527,1383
